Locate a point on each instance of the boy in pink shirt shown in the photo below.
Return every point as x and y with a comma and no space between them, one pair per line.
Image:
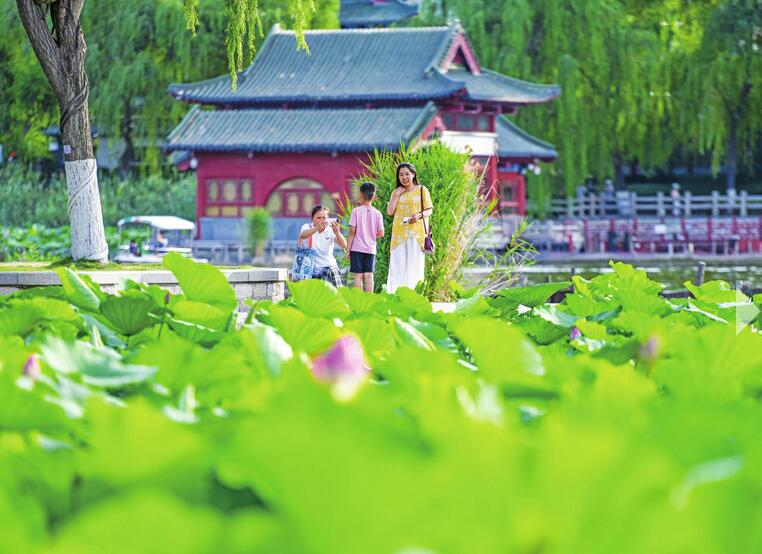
365,226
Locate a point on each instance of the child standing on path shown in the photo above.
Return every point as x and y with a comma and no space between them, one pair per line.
365,226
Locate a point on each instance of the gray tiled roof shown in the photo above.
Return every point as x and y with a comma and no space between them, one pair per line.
363,13
350,65
514,142
311,130
353,66
491,86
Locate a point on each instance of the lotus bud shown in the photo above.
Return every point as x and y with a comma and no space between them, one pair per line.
344,364
575,334
32,368
649,350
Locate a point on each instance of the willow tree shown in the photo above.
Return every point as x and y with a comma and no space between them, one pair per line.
54,28
130,65
28,104
728,75
615,96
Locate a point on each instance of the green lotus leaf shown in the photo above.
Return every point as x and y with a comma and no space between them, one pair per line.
202,282
359,301
202,314
413,300
195,332
99,367
304,334
26,410
716,292
20,318
408,335
128,315
535,295
77,290
318,298
542,331
500,350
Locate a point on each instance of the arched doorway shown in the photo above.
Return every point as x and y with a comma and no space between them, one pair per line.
296,197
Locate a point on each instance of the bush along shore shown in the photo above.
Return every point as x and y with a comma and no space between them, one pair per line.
338,421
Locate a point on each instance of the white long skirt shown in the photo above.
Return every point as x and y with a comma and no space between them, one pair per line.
406,266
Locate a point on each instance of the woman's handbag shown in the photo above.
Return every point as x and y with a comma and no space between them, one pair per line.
304,261
428,242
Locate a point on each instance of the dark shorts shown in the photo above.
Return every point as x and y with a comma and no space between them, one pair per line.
360,262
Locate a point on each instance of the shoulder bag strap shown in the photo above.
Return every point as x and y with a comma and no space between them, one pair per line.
423,217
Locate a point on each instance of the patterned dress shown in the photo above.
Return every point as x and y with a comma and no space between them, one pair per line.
406,259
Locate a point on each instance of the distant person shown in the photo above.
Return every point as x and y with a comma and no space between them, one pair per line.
161,240
611,241
134,250
675,195
366,225
322,234
627,242
608,197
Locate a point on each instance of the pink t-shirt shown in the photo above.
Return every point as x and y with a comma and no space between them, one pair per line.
367,222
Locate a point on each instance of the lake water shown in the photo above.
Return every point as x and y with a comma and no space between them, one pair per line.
672,273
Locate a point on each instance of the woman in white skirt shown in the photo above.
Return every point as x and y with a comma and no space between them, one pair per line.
410,204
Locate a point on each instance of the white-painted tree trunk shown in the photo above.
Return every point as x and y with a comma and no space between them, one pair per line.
88,241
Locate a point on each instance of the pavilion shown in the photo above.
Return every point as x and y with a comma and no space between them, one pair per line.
298,127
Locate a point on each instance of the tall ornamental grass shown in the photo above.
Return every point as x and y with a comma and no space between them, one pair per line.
459,219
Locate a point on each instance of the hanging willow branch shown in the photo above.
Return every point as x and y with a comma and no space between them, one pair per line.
243,26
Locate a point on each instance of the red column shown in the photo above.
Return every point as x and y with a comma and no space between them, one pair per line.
521,195
200,202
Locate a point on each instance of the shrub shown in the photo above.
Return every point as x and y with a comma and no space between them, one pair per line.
28,196
258,229
40,243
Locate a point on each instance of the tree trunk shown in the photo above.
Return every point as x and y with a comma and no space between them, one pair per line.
62,57
128,155
731,154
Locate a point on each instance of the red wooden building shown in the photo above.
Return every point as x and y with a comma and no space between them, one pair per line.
298,127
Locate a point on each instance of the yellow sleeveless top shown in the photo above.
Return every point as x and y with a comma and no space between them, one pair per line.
409,203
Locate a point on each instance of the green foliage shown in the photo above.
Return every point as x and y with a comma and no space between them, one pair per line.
258,228
457,221
26,196
639,433
729,78
27,103
130,65
633,76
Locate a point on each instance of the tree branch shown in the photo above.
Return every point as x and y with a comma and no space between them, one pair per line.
47,51
76,9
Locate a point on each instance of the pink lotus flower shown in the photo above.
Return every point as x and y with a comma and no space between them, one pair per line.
575,333
344,365
32,368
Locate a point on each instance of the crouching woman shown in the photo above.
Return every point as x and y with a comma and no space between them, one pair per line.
322,235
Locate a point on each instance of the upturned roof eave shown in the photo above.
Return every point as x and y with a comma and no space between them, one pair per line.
544,150
547,157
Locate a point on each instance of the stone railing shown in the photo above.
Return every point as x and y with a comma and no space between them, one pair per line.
248,284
